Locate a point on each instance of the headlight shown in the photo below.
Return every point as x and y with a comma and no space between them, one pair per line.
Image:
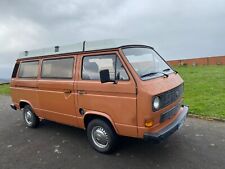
156,103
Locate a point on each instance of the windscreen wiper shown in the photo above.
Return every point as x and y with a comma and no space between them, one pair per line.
153,73
168,69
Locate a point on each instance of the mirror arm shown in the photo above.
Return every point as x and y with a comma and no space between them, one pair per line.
115,82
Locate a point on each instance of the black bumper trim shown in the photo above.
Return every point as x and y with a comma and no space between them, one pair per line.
170,129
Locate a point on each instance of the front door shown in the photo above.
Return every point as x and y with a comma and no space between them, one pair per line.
57,90
116,100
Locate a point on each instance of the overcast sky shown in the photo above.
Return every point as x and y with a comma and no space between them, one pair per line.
176,28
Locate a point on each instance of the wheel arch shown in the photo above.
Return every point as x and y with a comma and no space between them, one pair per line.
23,103
88,116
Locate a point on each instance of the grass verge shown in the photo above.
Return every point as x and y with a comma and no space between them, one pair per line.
204,90
4,89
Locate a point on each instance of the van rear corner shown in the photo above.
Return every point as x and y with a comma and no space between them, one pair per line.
14,105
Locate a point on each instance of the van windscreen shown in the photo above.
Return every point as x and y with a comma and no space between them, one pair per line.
146,62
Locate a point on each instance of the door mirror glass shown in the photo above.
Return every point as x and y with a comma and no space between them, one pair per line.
104,76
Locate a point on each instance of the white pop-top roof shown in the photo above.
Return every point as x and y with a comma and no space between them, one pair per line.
81,46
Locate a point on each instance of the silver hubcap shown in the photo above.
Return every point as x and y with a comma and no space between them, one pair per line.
100,137
28,117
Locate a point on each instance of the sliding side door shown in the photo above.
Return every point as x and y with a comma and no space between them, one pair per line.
57,90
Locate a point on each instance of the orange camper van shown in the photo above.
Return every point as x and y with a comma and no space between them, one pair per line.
110,88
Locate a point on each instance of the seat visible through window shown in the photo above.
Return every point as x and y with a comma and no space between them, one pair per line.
90,71
92,65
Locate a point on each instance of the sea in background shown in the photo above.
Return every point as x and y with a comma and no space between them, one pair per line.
4,80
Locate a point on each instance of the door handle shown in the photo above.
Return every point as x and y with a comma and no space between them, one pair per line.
67,91
81,92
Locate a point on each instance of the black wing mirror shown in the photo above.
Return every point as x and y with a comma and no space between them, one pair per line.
105,76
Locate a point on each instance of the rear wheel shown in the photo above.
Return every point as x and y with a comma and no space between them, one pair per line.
30,119
101,136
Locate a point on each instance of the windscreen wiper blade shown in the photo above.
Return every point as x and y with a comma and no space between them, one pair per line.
168,69
153,73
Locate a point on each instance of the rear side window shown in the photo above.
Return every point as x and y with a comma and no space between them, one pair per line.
14,73
92,65
28,69
58,68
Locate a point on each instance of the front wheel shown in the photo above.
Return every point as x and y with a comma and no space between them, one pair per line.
101,136
30,119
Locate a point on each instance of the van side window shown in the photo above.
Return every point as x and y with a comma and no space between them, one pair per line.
92,65
14,73
28,69
61,68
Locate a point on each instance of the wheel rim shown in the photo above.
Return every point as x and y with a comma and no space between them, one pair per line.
100,137
28,117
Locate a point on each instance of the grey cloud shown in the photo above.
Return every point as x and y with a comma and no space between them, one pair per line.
176,28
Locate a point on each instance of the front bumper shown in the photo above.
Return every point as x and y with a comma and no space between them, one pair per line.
170,129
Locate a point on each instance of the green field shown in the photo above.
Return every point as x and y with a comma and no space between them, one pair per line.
4,89
204,90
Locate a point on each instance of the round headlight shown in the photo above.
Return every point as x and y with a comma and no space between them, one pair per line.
156,103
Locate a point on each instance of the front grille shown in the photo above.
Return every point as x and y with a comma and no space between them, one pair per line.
170,96
169,114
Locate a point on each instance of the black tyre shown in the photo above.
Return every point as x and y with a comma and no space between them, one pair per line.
30,119
101,136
